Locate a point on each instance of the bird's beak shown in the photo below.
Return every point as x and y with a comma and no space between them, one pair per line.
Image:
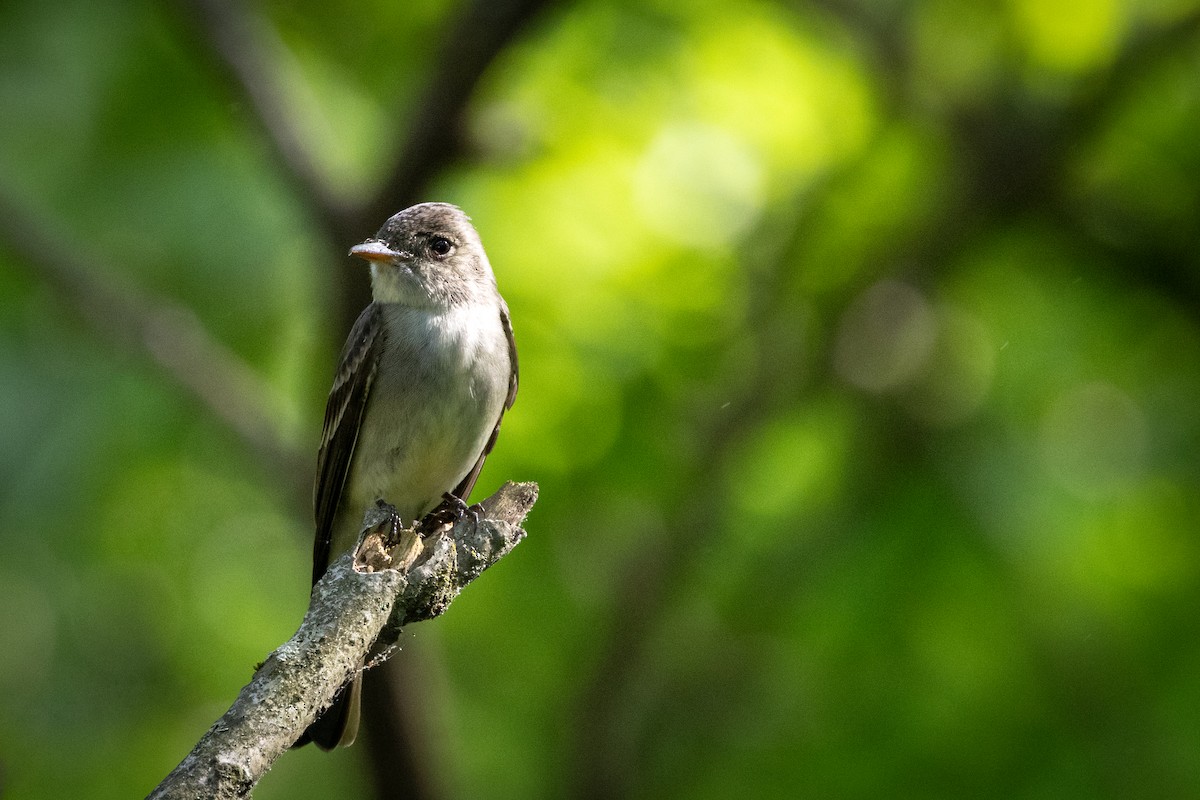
375,250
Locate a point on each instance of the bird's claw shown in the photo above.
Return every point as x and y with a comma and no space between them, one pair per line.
451,511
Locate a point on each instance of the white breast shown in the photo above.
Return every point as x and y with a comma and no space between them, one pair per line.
437,395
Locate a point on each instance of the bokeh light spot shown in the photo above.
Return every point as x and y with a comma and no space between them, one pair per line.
885,338
1094,440
698,185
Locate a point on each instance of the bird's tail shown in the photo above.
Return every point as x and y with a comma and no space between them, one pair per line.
336,726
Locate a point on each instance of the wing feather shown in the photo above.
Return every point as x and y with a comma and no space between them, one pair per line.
343,419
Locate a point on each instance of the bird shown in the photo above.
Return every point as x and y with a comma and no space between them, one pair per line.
421,386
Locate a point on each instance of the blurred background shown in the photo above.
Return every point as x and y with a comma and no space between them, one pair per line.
860,350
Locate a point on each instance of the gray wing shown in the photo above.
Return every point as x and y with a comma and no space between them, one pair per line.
343,418
463,490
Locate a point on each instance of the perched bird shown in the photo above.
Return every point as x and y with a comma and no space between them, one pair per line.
422,383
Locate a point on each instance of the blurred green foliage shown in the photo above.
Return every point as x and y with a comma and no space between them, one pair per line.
860,350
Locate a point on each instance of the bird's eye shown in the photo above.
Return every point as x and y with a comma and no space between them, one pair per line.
440,246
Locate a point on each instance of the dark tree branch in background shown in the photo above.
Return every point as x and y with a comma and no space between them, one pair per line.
880,31
479,32
605,745
1020,149
1016,152
1017,159
358,608
160,331
246,52
1170,267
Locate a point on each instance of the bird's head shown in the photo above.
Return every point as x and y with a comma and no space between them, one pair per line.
427,256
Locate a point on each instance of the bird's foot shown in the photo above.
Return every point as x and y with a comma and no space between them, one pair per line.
451,511
393,524
375,546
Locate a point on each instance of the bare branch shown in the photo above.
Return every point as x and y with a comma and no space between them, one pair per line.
361,603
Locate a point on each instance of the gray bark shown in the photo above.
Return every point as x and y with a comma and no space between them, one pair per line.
355,615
